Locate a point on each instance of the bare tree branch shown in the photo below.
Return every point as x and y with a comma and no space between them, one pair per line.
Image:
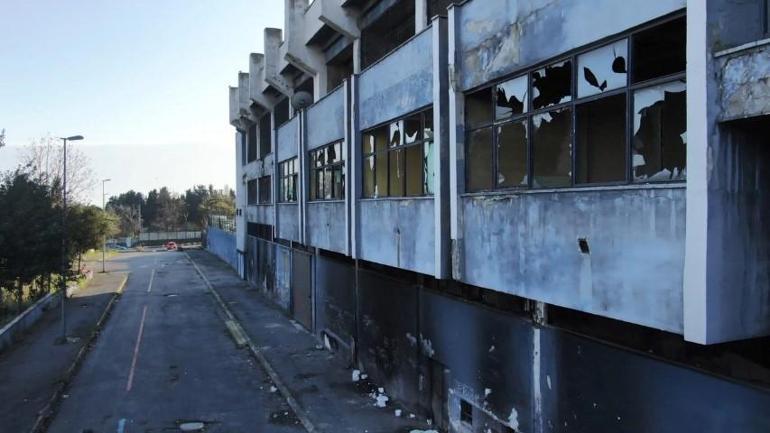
2,138
43,159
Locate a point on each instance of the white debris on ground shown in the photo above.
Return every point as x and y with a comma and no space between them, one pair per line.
364,376
411,416
273,389
491,348
487,391
380,399
356,375
423,431
398,412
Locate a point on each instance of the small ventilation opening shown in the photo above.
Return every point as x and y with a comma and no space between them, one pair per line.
583,245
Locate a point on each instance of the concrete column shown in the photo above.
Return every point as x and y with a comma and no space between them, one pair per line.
353,136
420,15
320,82
357,56
347,157
456,145
441,149
302,177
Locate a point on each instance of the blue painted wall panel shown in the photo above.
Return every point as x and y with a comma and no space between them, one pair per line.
326,119
287,139
400,83
222,244
326,226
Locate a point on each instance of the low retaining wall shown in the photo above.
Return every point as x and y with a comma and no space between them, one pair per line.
222,244
10,332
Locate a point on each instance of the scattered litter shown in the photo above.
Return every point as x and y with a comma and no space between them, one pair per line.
411,416
491,348
327,343
356,375
65,396
423,431
273,389
364,376
191,426
398,412
171,295
430,421
487,391
73,339
380,399
319,347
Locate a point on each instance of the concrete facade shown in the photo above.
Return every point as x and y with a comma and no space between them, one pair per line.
684,258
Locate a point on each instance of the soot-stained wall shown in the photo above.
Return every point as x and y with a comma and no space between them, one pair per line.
335,297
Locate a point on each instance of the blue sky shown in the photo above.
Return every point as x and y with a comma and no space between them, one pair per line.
144,81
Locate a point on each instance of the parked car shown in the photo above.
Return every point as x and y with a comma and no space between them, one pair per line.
171,246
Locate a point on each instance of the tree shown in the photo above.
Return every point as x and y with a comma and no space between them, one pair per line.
193,200
30,232
44,160
88,226
150,209
2,137
170,210
128,219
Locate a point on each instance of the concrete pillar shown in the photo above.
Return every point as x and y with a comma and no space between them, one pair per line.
456,145
420,15
442,241
357,56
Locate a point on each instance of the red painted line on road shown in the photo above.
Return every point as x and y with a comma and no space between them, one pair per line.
136,351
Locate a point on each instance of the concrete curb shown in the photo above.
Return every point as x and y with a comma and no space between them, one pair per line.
23,321
45,415
237,329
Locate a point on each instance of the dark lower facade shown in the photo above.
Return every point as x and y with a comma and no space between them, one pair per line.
474,360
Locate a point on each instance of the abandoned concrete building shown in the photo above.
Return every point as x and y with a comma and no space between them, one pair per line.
520,215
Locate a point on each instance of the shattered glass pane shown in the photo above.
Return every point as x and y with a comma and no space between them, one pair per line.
479,160
429,168
660,133
368,143
478,108
552,149
339,183
660,51
395,134
413,129
396,186
414,170
428,132
327,183
512,98
600,140
512,155
552,85
603,69
369,190
313,185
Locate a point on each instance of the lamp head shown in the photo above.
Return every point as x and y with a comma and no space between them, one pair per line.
74,138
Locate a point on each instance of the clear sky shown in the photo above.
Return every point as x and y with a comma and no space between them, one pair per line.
145,81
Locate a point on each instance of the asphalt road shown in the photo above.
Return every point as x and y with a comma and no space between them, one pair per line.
165,358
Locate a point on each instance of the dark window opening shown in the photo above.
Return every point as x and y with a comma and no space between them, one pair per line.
244,148
466,412
391,29
281,112
288,181
660,51
478,108
261,231
552,85
252,143
660,133
327,173
479,160
251,189
398,158
512,98
265,136
264,190
439,7
601,141
340,68
552,149
512,158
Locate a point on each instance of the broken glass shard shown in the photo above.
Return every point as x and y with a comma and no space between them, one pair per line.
603,69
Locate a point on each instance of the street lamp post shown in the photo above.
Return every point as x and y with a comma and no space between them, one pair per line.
104,236
64,261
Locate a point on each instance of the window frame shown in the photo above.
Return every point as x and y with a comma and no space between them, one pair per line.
264,199
287,176
424,113
313,154
574,105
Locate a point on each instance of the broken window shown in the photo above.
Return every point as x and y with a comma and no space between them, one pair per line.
466,412
511,98
603,69
327,174
288,181
265,197
660,51
600,140
395,159
552,85
281,112
383,29
660,133
479,160
552,149
251,192
512,155
528,140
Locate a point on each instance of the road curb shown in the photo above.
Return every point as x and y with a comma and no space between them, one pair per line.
45,415
238,329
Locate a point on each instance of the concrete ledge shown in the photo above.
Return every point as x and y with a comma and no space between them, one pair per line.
10,332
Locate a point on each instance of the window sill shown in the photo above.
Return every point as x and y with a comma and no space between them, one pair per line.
290,203
608,188
260,204
325,201
419,197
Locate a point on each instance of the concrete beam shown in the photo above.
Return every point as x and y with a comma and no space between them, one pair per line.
272,78
343,20
257,83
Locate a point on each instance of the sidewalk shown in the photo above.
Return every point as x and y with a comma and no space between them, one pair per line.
33,368
318,380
